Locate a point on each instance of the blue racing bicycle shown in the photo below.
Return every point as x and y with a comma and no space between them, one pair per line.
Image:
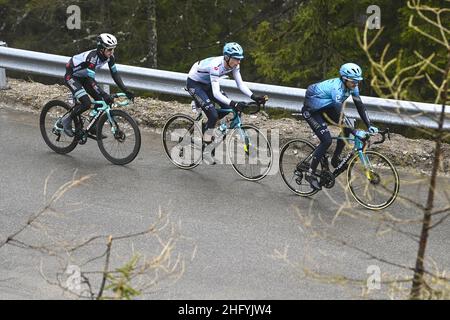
371,178
117,134
249,151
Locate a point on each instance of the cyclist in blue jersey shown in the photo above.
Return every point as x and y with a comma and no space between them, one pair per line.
323,104
203,84
80,78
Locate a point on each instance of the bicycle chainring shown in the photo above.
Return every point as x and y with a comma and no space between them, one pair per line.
327,179
81,136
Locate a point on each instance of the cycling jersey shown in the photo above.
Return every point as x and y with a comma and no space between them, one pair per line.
84,64
324,94
323,103
80,78
209,71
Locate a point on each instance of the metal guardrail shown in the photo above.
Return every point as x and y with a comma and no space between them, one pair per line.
3,80
382,110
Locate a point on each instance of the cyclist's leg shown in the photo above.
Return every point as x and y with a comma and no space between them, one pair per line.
334,116
319,126
96,92
199,92
222,105
79,93
93,89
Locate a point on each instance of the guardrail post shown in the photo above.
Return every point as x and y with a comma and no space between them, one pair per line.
3,81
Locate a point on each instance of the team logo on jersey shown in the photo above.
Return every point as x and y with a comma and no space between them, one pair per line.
306,115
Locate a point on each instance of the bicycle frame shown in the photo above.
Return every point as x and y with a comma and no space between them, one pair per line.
359,146
235,122
104,107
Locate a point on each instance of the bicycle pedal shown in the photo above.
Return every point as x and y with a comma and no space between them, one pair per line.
208,158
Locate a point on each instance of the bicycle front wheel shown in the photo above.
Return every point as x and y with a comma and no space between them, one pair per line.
182,140
250,153
295,158
51,127
119,140
373,181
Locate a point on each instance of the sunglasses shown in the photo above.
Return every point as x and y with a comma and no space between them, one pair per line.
352,81
109,49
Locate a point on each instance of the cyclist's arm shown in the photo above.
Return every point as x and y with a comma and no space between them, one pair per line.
115,75
241,85
360,107
216,90
90,69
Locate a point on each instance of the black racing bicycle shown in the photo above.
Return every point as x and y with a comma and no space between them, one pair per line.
371,178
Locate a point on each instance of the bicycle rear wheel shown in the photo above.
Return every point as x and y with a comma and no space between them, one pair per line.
294,162
374,184
182,140
51,127
250,153
119,141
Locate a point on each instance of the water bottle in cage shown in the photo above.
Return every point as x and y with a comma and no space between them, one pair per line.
194,107
70,99
223,126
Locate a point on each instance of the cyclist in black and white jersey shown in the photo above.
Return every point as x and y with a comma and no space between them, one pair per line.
80,78
203,84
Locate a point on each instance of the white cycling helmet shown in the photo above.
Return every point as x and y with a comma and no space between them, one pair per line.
107,41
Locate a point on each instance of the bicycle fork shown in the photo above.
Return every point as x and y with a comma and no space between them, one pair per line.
368,168
246,140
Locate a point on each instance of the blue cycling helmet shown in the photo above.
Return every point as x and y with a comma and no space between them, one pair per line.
351,71
233,50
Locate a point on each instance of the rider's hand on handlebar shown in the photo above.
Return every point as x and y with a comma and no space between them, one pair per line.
259,99
130,95
238,106
373,130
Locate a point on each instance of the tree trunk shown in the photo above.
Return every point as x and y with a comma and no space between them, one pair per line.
152,35
418,280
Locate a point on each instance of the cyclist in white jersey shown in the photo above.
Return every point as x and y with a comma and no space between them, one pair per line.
203,84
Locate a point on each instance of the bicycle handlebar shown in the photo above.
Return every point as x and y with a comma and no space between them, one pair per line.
383,134
258,106
121,103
